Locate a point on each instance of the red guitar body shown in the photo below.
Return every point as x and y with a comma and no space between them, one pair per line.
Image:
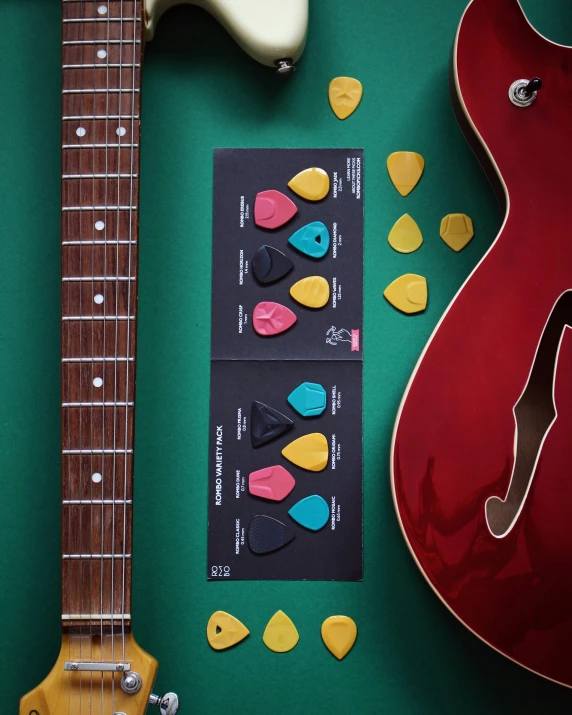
482,450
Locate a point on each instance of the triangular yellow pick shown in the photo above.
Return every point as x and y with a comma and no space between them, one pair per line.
405,236
408,293
457,230
345,94
313,292
309,452
224,630
339,634
405,169
311,184
280,634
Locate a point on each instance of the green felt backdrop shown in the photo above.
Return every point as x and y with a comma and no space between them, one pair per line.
200,92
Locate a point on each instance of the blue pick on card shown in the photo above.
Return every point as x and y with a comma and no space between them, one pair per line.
313,240
311,513
308,399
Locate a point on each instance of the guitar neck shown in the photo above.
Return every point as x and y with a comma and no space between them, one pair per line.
102,52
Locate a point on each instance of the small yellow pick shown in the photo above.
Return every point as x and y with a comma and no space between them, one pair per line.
308,452
224,630
405,236
345,94
457,230
280,635
339,634
408,293
313,292
405,169
311,184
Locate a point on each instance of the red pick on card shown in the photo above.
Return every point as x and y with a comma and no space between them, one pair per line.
273,483
272,318
273,209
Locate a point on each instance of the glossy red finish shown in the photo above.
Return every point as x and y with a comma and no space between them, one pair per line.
454,437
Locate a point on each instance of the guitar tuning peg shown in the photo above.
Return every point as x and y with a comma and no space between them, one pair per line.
168,704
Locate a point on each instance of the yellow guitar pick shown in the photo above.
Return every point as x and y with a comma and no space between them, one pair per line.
224,630
405,236
345,94
339,634
280,634
312,184
313,292
405,169
408,293
308,452
457,230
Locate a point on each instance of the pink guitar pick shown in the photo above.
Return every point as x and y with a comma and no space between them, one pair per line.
273,483
273,209
272,318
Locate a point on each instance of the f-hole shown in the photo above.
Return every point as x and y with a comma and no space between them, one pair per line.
534,415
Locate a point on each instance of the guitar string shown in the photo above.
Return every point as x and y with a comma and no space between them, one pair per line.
92,411
66,392
134,15
104,346
80,539
119,100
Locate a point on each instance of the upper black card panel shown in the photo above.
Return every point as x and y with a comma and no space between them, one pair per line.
332,332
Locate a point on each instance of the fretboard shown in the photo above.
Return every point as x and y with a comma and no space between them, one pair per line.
102,52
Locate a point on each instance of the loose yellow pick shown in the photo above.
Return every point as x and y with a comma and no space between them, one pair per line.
405,169
308,452
312,184
280,635
345,94
224,630
405,236
313,292
408,293
339,634
457,230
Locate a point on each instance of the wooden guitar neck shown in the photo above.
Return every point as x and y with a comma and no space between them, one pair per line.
102,52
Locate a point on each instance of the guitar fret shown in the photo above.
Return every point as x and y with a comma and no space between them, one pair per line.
95,616
90,279
108,502
99,146
97,451
100,208
97,243
97,404
102,19
102,65
99,359
98,317
101,42
99,176
96,90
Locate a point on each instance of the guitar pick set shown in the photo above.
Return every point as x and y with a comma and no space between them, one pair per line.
285,472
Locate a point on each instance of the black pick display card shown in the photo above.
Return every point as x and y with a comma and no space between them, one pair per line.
314,532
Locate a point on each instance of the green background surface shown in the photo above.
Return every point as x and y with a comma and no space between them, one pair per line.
200,92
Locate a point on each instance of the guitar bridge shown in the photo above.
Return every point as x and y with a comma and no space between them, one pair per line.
97,667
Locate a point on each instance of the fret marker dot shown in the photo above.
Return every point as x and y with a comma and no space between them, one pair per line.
102,10
96,477
102,54
98,299
121,131
97,382
80,131
99,225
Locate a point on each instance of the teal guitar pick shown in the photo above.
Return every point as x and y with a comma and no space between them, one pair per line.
308,399
313,240
312,512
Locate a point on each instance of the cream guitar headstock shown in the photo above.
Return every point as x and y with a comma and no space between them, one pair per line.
76,686
273,32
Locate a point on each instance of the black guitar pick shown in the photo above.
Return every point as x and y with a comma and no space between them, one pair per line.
267,424
266,534
269,265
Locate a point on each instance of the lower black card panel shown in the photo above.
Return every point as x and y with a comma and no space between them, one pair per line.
335,551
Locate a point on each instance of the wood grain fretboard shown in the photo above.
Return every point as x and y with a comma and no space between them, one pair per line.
102,53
